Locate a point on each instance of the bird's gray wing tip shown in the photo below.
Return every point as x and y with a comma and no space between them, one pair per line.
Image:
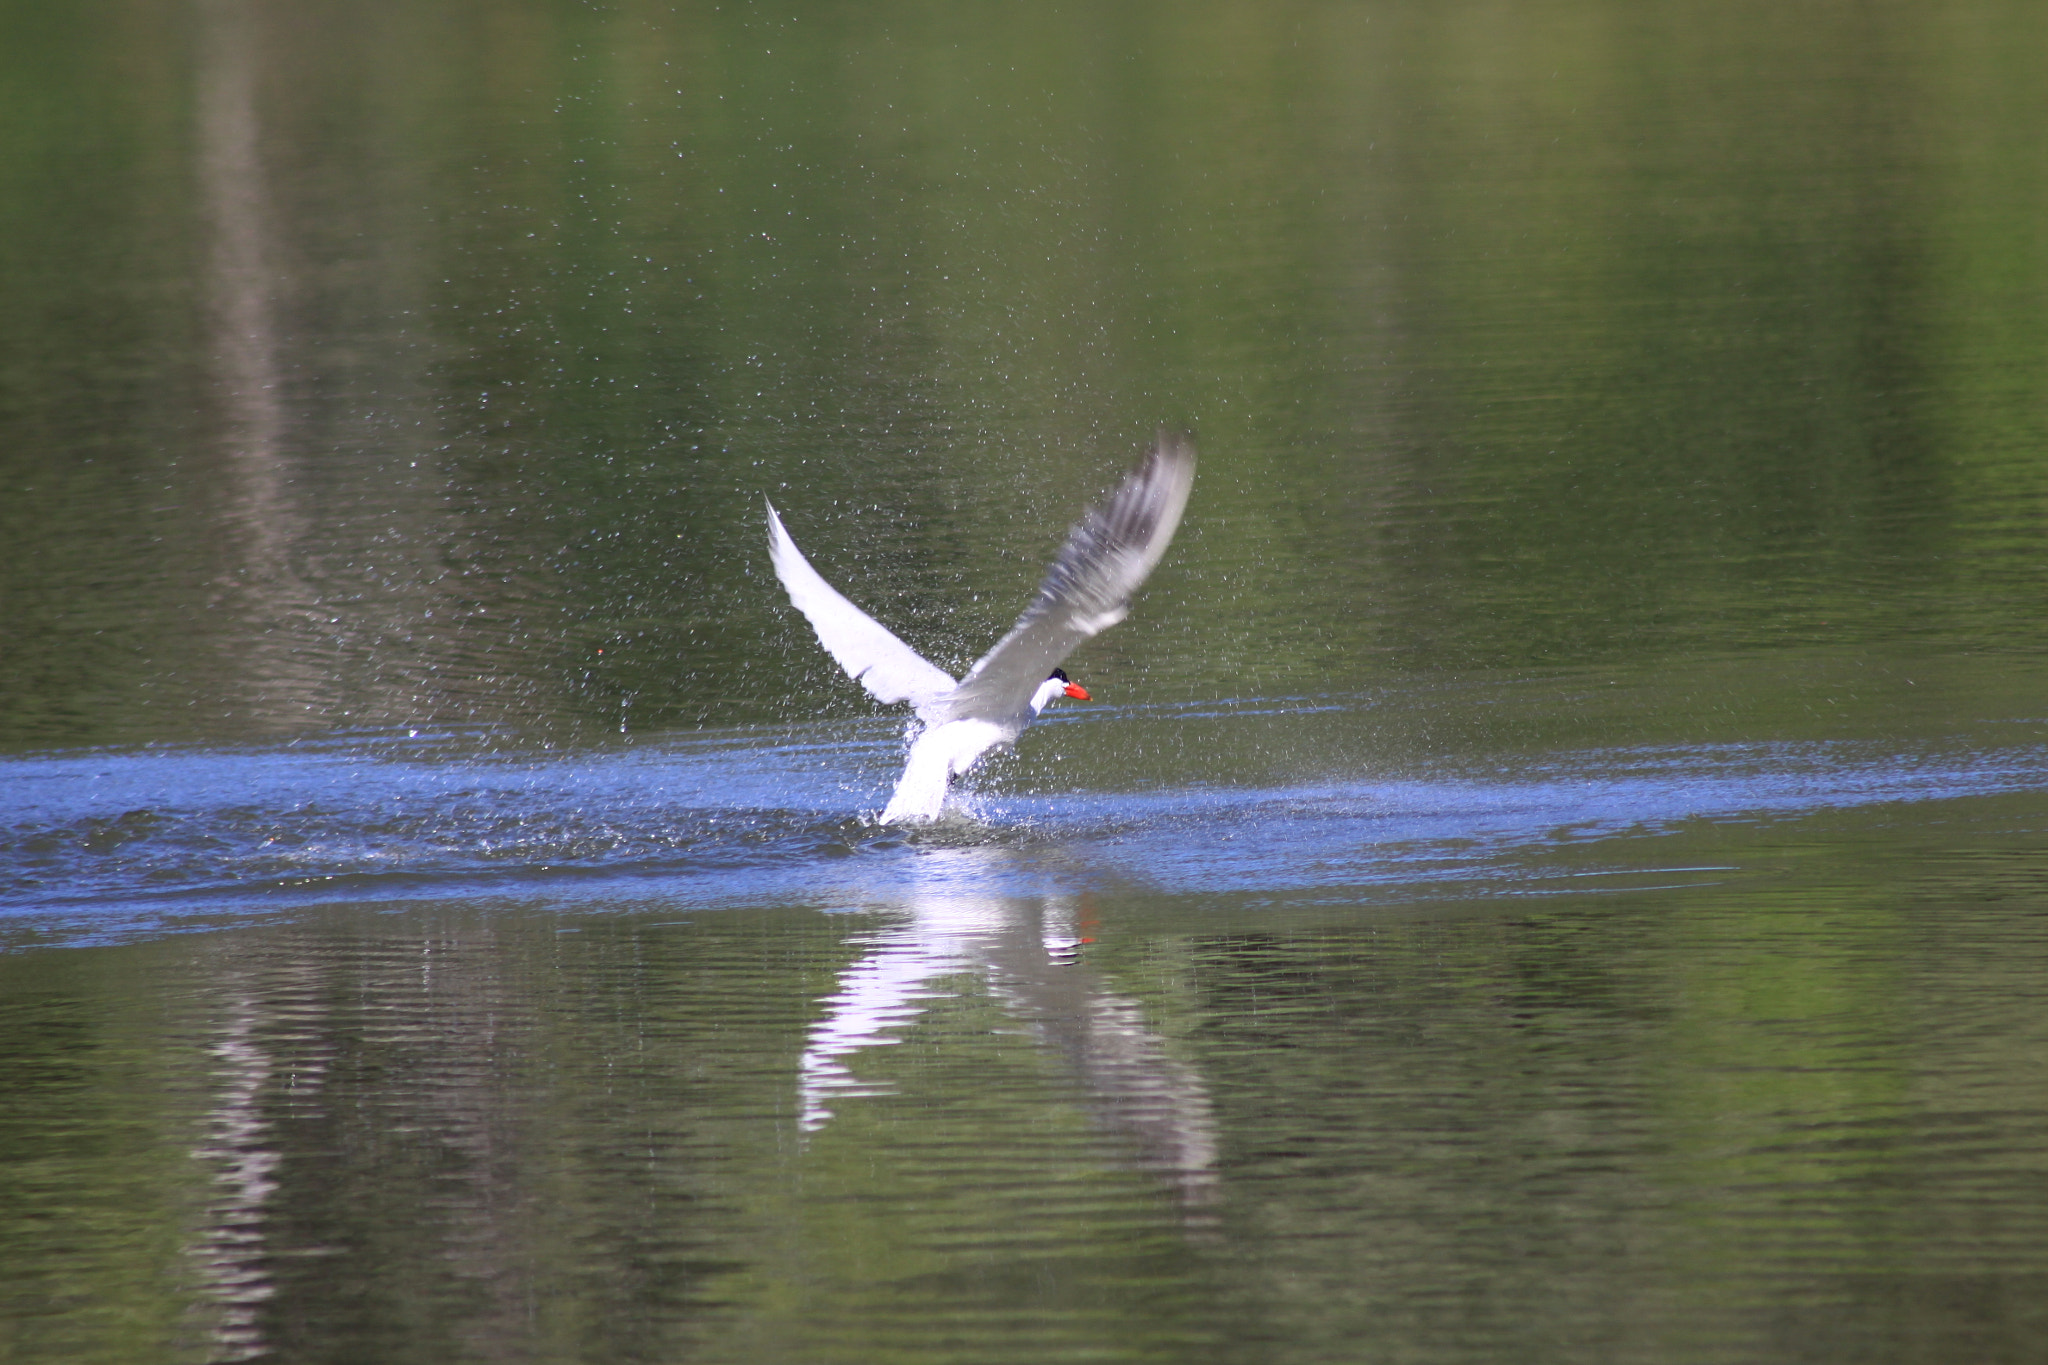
1172,444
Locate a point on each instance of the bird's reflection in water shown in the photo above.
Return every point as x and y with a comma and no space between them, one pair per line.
1029,952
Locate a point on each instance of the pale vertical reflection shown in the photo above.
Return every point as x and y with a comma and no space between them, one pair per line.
1026,949
231,1248
242,283
267,1055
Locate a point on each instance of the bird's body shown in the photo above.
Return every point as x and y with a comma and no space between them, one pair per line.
1086,591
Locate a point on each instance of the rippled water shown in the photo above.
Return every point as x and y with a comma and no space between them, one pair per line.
1688,1052
1709,1051
1557,865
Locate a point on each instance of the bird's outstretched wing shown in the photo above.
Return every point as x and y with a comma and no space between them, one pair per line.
1088,588
889,669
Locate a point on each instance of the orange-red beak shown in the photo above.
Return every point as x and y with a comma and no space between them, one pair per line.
1078,692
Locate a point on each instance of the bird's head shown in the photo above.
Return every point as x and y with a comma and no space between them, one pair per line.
1056,686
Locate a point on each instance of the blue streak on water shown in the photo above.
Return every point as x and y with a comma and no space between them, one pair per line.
108,844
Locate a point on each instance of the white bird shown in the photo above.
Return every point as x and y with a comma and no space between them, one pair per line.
1086,591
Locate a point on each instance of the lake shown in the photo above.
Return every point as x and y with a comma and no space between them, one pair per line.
1555,867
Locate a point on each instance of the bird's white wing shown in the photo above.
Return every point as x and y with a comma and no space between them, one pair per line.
1088,588
889,669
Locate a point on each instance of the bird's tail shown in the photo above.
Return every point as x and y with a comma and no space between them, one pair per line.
937,756
921,792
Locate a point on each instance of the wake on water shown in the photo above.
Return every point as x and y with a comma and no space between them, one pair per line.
107,844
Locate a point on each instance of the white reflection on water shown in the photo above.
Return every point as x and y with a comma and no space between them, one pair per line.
243,283
269,1035
1028,952
230,1249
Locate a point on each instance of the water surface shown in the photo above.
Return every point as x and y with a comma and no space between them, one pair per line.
1555,869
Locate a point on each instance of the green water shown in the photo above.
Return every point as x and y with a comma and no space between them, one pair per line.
384,363
1561,836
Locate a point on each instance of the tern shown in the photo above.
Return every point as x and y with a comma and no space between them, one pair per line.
1085,592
